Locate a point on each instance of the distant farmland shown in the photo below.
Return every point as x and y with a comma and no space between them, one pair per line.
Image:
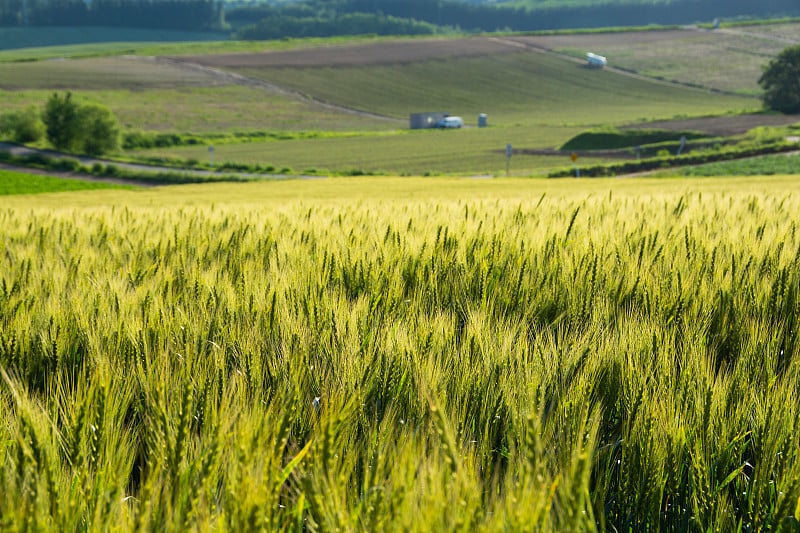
536,95
514,86
534,99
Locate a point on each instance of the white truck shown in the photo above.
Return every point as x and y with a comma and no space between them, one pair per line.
595,60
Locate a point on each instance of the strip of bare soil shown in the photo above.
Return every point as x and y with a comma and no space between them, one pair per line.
382,53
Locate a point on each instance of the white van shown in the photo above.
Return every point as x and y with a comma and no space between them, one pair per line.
450,122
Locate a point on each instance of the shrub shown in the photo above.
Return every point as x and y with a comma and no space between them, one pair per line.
72,127
23,126
68,165
62,122
99,129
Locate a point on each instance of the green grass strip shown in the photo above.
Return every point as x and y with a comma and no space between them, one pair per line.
12,182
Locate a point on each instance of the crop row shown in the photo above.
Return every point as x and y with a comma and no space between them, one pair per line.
605,362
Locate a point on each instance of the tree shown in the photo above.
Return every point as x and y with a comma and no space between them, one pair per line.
89,128
99,129
62,122
23,126
781,82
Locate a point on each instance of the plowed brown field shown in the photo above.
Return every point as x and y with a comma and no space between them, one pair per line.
601,40
383,53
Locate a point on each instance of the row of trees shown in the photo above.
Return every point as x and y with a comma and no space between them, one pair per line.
159,14
276,27
473,16
69,126
490,17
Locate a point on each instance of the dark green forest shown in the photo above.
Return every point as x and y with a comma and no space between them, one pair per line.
336,17
161,14
386,17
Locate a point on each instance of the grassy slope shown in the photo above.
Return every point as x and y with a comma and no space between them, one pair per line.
12,182
207,109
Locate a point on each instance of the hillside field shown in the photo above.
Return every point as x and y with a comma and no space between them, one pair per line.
402,355
728,59
533,100
216,109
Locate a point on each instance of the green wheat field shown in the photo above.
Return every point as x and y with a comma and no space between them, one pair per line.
402,355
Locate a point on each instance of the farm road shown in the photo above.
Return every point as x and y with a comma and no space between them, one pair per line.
18,150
